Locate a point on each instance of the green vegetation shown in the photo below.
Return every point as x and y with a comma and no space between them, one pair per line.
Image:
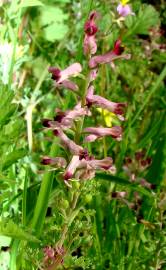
102,213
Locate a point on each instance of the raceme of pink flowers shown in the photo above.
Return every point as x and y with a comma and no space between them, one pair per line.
82,165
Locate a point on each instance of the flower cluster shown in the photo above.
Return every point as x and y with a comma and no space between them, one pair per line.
53,256
136,166
82,165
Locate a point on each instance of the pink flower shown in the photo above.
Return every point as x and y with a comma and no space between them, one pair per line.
72,115
102,164
85,168
98,132
93,74
68,143
49,255
71,168
124,10
91,99
146,184
90,46
62,75
90,28
57,161
67,84
110,56
66,119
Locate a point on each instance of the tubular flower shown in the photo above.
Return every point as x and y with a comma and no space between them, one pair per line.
124,9
90,29
85,168
61,77
57,161
98,132
67,84
71,168
66,119
91,99
110,56
68,143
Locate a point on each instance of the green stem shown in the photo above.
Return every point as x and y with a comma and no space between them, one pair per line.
14,252
43,198
24,200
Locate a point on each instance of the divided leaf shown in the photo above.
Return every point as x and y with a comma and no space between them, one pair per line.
12,157
10,229
147,18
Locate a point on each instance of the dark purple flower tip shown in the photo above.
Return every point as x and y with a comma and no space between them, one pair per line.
118,48
140,218
144,162
149,161
139,202
90,28
84,155
119,194
139,155
153,186
56,73
93,15
119,109
114,194
46,161
56,132
67,176
60,115
128,160
46,122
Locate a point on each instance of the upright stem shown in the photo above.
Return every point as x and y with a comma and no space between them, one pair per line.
43,198
102,88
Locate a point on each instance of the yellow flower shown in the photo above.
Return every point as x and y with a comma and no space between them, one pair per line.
124,2
108,116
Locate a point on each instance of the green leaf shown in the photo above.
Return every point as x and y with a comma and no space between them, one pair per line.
31,3
10,229
122,181
157,170
6,108
51,14
55,32
153,131
147,18
52,19
12,157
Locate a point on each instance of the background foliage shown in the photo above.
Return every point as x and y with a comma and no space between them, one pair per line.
103,232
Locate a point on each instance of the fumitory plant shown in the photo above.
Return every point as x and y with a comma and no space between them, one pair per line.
82,135
78,164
